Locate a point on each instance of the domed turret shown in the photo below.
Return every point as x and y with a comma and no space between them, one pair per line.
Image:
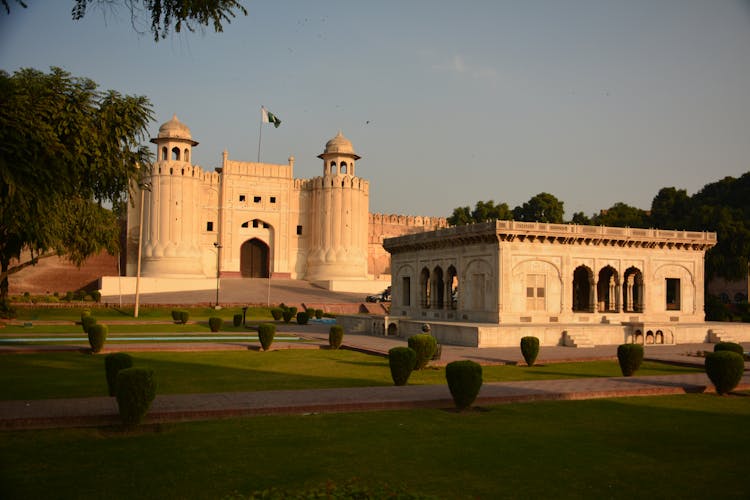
338,247
339,145
174,129
171,236
339,156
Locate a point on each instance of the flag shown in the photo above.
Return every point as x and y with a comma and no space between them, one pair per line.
269,117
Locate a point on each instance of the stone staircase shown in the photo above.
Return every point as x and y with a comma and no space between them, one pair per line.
716,336
578,339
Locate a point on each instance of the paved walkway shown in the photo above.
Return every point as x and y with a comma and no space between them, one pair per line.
182,407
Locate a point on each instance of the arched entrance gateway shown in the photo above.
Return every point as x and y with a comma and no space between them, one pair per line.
254,259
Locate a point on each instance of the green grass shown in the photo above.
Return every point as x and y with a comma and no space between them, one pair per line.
145,313
66,330
76,374
687,446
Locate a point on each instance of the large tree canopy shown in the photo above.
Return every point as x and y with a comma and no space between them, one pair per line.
543,207
621,215
484,211
66,149
165,15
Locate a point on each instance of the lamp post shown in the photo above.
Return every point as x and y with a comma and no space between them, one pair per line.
144,187
218,251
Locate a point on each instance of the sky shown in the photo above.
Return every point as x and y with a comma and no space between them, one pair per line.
447,103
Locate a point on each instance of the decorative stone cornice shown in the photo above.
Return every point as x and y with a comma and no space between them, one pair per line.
544,233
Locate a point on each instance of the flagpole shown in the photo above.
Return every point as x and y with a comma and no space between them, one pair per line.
260,131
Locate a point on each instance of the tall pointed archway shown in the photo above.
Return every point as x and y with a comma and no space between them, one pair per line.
254,259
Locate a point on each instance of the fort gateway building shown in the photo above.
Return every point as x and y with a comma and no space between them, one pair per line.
255,220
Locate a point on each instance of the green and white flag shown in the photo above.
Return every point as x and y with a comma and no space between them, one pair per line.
269,117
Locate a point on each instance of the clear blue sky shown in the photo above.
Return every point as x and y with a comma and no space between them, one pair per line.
594,101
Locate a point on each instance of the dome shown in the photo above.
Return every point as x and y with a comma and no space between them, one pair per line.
339,145
175,129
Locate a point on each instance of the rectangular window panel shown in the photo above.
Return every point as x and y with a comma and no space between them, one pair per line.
299,230
273,199
242,197
406,291
256,199
535,292
673,294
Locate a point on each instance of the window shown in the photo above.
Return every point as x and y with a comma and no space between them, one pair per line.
246,224
209,226
255,222
273,199
673,294
242,197
299,230
406,291
535,292
256,199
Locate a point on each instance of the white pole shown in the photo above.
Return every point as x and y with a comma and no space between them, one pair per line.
260,131
138,271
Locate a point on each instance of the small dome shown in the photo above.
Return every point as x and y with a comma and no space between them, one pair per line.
175,129
339,145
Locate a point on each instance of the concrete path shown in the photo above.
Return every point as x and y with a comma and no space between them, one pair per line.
53,413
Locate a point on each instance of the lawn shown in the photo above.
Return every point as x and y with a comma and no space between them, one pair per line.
145,313
76,374
687,446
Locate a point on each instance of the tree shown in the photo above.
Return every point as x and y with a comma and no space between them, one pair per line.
484,211
165,15
543,207
671,209
621,215
66,150
461,216
581,219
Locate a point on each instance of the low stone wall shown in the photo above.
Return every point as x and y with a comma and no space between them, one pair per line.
113,286
509,335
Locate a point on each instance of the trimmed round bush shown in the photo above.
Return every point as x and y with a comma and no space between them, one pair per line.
630,357
464,381
401,361
303,317
215,323
530,349
184,316
276,313
287,315
96,296
85,313
136,390
266,332
97,335
729,346
87,322
175,315
237,319
113,363
425,346
318,313
724,369
335,336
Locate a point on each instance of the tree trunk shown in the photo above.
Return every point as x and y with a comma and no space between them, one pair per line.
4,284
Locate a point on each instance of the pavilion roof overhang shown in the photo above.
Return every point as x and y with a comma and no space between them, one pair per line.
544,233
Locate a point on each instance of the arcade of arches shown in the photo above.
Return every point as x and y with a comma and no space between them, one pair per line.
438,290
